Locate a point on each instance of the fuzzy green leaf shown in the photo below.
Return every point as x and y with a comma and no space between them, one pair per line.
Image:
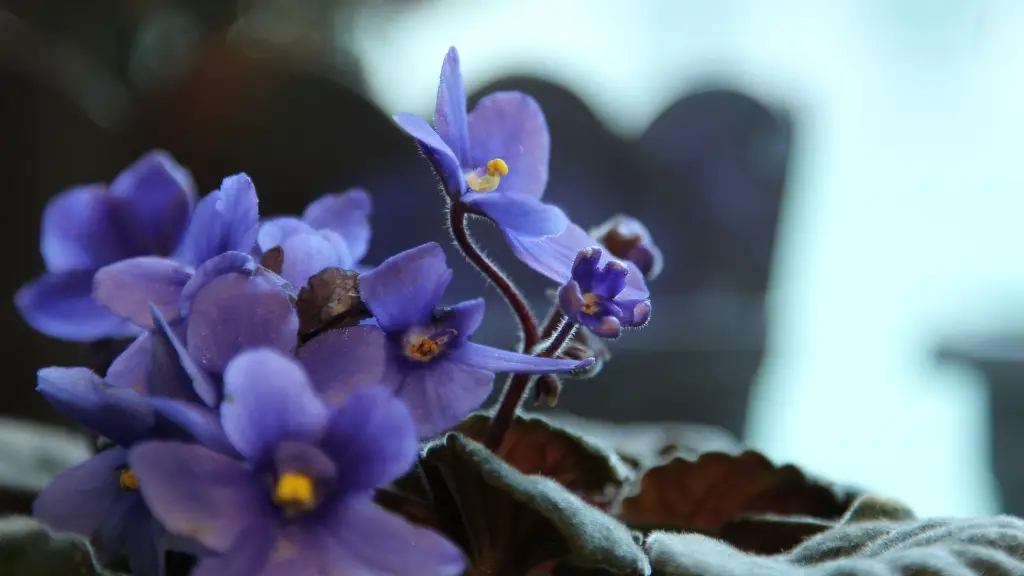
29,548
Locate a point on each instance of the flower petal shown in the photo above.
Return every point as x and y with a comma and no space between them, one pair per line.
197,492
441,393
248,555
606,326
78,393
372,439
405,288
174,373
450,119
367,537
465,317
225,220
60,305
128,287
267,398
234,312
552,256
342,361
194,422
80,498
305,254
497,360
159,196
347,214
143,542
81,230
511,126
226,263
274,231
524,215
440,156
570,299
131,368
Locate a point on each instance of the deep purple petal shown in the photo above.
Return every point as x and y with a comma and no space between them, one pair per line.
405,288
450,119
570,299
635,313
143,542
306,254
80,498
441,393
197,492
116,413
128,287
511,126
235,312
440,156
131,368
611,280
342,361
497,360
175,373
605,326
372,439
274,231
60,305
369,540
226,263
465,317
347,214
586,267
248,555
525,215
195,422
268,398
225,220
159,195
81,230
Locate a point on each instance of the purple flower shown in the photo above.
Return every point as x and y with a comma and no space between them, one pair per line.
597,296
334,231
493,159
298,499
628,239
429,361
99,498
145,210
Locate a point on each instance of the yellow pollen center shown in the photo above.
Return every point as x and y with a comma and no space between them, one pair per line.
487,179
127,480
295,490
589,304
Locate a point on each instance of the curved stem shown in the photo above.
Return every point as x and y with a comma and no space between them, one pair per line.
457,216
553,322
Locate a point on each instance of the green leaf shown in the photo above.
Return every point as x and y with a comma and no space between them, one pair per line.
960,547
509,523
29,548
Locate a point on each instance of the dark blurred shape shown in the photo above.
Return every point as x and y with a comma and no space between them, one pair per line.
1000,359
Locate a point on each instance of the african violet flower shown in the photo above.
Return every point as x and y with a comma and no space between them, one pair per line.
597,296
628,239
145,210
429,361
334,232
494,159
298,498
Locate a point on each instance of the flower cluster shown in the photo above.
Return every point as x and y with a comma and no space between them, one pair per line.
275,380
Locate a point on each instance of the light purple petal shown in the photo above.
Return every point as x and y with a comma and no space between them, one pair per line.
268,398
465,317
497,360
369,538
306,254
195,422
235,312
226,263
346,259
340,362
60,305
440,156
511,126
248,555
440,394
128,287
347,214
274,231
131,368
81,230
80,498
225,220
175,373
116,413
159,195
372,439
405,288
450,119
524,215
199,493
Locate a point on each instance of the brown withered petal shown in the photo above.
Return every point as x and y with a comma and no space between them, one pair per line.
330,299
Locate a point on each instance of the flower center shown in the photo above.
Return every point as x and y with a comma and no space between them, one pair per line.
590,306
127,479
295,491
426,348
486,179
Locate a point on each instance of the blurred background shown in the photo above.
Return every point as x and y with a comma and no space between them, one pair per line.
833,185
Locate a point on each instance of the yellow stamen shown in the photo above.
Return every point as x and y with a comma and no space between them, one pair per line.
127,479
295,490
426,348
487,180
589,304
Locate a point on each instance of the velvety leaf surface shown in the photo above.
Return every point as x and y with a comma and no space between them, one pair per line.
509,523
533,445
27,548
